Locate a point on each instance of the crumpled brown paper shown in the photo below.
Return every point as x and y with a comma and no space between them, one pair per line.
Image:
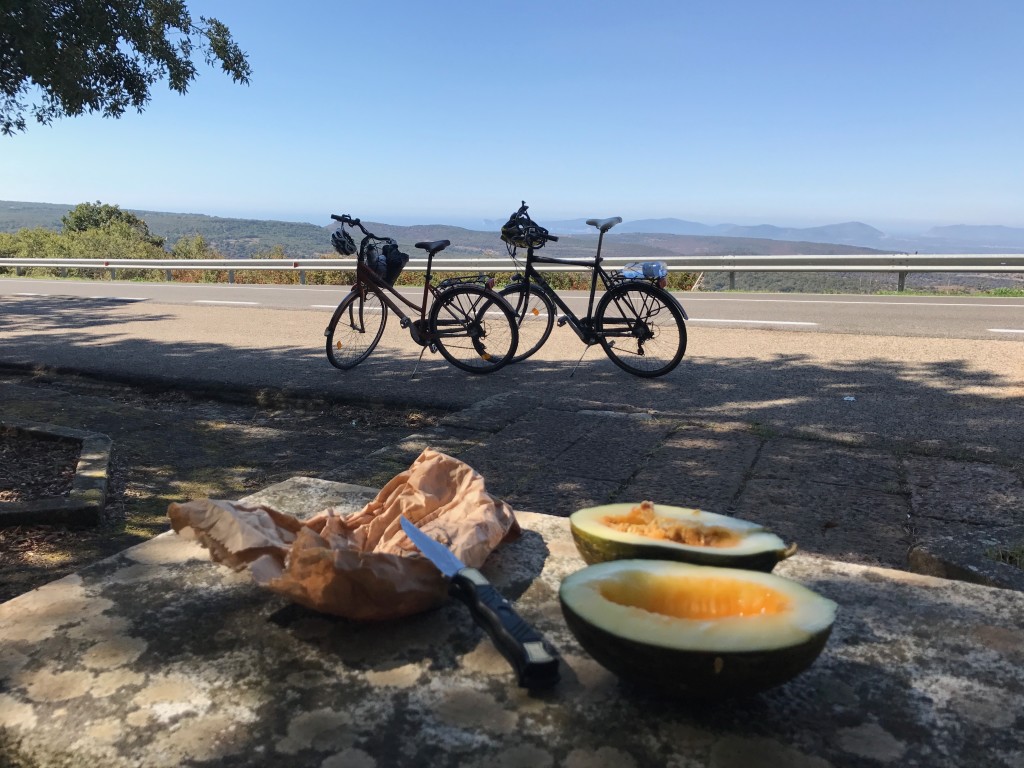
360,566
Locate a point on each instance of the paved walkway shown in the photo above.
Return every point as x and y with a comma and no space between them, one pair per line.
888,451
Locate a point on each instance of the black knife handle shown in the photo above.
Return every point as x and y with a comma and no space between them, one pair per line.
518,642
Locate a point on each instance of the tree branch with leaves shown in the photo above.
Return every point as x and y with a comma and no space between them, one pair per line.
64,58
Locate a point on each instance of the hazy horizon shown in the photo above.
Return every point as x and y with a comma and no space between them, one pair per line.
469,222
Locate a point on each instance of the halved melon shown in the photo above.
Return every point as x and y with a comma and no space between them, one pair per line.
660,532
693,630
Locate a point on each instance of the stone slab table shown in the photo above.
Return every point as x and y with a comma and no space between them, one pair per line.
157,657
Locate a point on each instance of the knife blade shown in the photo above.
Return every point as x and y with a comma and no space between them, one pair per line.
524,648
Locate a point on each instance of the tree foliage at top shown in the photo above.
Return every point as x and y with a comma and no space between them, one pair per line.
83,56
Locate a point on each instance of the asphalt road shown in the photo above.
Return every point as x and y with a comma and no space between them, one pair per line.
926,316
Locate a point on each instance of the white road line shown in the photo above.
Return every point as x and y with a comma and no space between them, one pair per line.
750,322
691,298
30,294
1006,330
322,306
121,298
243,303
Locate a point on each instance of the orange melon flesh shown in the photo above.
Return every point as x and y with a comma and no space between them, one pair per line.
643,521
693,630
697,598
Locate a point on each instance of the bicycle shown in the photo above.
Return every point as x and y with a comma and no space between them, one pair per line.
638,323
467,322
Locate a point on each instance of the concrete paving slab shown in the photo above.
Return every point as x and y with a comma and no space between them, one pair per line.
157,657
838,521
825,462
696,467
968,493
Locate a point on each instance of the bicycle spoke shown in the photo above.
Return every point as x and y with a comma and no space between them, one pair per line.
534,314
355,329
641,329
473,329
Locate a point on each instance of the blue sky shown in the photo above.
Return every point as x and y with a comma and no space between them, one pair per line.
898,113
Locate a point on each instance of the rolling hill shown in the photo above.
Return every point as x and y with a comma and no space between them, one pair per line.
243,238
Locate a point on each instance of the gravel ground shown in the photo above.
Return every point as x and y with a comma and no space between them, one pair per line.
33,468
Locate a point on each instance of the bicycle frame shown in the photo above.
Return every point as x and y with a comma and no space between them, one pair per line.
581,326
367,279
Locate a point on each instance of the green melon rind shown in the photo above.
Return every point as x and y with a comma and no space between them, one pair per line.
596,549
692,674
682,658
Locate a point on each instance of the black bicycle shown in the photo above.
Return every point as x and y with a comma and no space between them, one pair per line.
461,317
638,323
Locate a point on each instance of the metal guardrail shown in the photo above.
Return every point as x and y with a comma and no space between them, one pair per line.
899,263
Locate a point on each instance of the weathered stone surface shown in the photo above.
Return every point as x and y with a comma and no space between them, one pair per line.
157,657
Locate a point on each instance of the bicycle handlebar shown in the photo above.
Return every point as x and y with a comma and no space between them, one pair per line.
354,223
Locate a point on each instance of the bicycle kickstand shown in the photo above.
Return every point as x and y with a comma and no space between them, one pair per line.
573,371
417,366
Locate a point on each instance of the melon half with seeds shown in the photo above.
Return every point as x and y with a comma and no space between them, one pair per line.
693,630
661,532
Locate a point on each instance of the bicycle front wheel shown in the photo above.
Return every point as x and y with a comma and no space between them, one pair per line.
641,329
354,330
474,329
534,314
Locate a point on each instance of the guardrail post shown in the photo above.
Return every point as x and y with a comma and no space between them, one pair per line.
902,282
231,276
168,277
732,281
19,271
302,277
113,274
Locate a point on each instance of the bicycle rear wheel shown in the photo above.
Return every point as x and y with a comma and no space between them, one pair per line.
354,330
534,314
474,329
641,329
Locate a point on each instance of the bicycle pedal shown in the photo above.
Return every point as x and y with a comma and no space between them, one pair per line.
433,348
405,322
562,321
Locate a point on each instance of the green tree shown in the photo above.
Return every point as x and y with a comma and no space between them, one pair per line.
111,218
194,247
85,56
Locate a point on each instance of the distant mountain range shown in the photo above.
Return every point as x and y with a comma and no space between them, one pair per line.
636,238
961,238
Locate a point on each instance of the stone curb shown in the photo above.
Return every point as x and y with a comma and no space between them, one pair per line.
971,561
88,496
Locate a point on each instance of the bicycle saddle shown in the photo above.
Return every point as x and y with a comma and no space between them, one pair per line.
605,224
434,245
